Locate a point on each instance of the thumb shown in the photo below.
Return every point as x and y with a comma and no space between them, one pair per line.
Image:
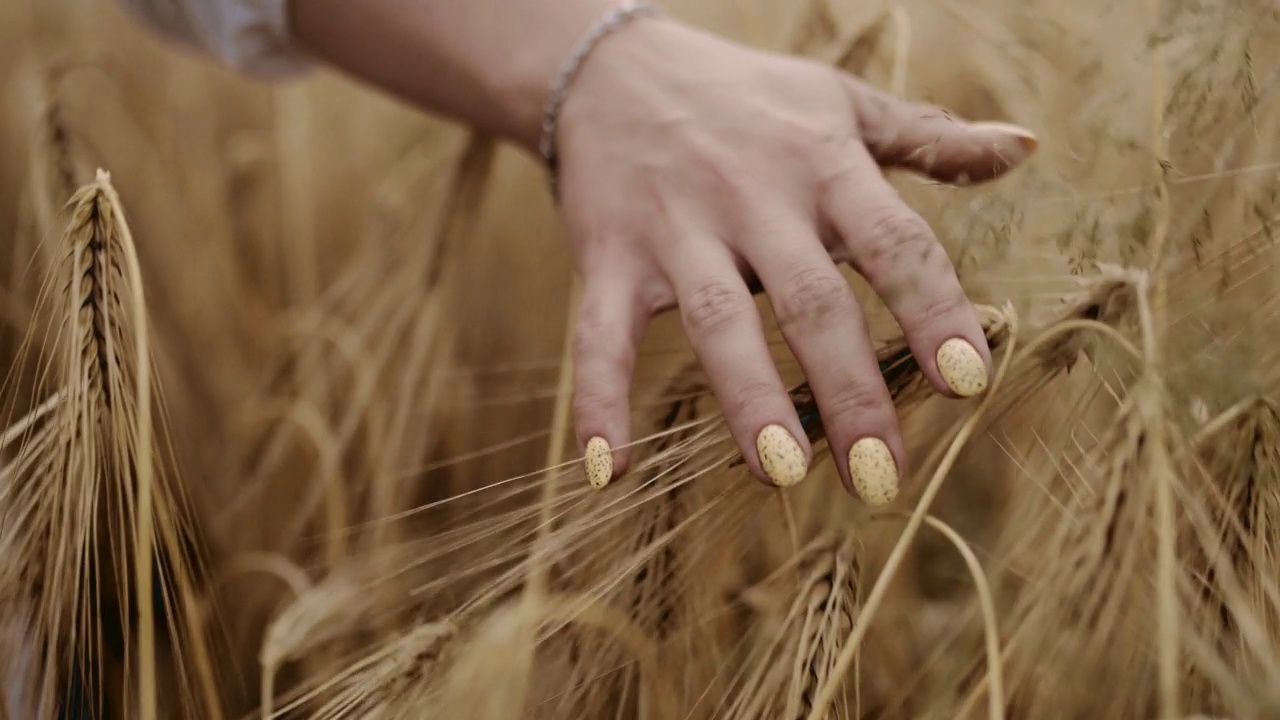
932,141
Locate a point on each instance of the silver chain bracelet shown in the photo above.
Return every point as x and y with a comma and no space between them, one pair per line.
611,21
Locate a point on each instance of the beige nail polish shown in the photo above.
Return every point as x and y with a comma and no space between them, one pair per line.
962,367
873,471
1026,139
781,456
599,462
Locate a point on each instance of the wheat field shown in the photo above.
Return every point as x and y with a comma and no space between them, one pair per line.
285,429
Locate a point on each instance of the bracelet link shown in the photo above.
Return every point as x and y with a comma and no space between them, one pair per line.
610,22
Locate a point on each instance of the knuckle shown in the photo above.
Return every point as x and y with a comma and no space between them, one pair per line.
714,306
814,298
938,308
597,338
897,234
859,402
874,107
583,345
594,402
592,325
746,396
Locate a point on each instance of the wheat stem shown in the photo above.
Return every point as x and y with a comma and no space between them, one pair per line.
789,520
142,440
1160,469
986,605
536,578
1168,641
1102,328
881,588
535,589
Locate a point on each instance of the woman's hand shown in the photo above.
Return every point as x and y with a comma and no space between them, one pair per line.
688,162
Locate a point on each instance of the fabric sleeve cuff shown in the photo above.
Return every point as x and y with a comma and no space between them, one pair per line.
251,36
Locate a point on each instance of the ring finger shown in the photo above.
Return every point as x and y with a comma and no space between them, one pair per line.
724,328
822,323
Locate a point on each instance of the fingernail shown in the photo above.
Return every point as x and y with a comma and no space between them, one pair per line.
962,367
599,461
781,456
1026,139
873,471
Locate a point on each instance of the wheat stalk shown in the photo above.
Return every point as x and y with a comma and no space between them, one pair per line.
91,520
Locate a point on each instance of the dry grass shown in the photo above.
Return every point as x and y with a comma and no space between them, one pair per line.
277,376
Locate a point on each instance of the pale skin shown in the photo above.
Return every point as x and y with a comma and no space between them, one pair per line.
692,167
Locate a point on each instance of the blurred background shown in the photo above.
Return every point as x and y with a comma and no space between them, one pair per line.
356,314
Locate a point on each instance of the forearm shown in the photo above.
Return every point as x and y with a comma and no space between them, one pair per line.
488,63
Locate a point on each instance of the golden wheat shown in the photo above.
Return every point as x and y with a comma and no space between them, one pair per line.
366,445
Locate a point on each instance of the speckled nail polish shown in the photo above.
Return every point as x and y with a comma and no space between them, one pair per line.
599,462
962,367
873,471
781,456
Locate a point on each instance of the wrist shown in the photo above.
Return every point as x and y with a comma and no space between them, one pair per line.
641,78
522,82
487,63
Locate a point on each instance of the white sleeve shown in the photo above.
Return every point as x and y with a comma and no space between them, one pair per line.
251,36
